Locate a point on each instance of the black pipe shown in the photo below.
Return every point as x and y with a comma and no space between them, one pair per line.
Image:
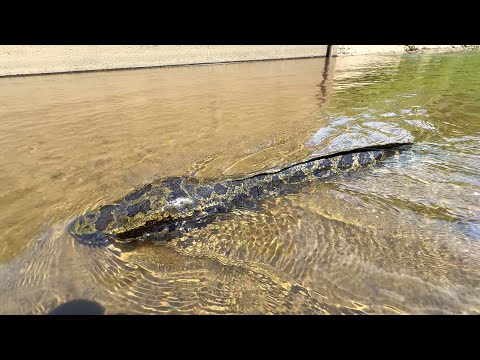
329,50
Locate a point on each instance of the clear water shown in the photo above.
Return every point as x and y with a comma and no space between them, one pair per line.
402,237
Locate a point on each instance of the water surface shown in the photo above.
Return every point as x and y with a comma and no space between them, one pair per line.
401,237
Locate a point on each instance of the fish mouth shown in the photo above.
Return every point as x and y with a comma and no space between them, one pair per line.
167,224
164,230
83,230
170,227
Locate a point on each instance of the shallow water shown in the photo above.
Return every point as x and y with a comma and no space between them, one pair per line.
400,237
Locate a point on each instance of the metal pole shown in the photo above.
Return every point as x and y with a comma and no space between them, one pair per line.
329,51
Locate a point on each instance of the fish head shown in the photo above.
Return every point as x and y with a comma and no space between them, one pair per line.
88,228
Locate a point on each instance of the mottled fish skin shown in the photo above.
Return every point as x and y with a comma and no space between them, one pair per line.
163,209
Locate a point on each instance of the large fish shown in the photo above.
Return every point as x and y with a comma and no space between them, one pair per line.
168,207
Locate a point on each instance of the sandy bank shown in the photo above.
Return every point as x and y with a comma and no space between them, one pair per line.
392,49
46,59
